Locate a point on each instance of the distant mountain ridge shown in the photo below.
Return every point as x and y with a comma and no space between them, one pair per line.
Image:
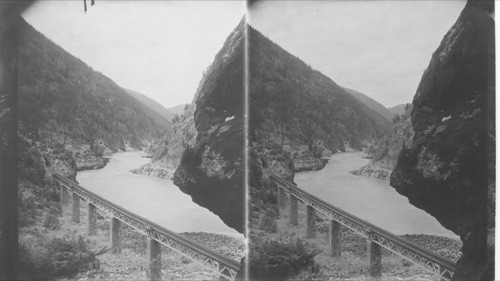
162,116
373,109
178,109
398,109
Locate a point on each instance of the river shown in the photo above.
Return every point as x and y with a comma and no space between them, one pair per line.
371,199
158,200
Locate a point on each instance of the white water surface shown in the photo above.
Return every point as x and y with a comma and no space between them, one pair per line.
371,199
155,199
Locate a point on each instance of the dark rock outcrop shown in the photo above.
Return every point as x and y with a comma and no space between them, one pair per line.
211,168
449,168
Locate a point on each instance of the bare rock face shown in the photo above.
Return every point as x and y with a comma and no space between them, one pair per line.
167,153
211,168
448,169
384,154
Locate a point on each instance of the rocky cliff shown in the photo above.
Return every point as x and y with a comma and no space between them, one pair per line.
384,153
211,168
448,169
166,153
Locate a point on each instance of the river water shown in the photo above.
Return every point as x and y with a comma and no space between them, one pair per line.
158,200
370,199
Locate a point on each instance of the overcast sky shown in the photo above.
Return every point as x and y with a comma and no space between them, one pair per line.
379,48
157,48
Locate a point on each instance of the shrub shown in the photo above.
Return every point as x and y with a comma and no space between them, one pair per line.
396,118
63,257
279,260
51,219
313,274
69,256
268,222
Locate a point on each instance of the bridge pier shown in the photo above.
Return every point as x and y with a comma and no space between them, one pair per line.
281,198
293,212
116,242
310,222
375,260
64,195
154,248
75,216
92,219
334,239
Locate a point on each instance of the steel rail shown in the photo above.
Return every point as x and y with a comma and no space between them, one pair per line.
218,263
438,265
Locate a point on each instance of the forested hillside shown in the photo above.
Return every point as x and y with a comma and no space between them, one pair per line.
70,118
178,109
61,99
297,117
297,114
376,111
398,109
162,116
290,100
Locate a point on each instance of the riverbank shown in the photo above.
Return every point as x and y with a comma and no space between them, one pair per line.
374,170
159,169
63,251
353,262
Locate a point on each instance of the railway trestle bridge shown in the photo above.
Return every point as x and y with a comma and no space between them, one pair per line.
157,235
377,237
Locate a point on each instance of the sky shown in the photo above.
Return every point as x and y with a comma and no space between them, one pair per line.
157,48
161,48
379,48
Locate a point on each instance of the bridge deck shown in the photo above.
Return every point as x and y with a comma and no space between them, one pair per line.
218,263
428,260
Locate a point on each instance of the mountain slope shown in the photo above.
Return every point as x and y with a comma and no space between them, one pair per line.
297,116
398,109
448,169
70,118
178,109
373,109
290,103
71,113
154,110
